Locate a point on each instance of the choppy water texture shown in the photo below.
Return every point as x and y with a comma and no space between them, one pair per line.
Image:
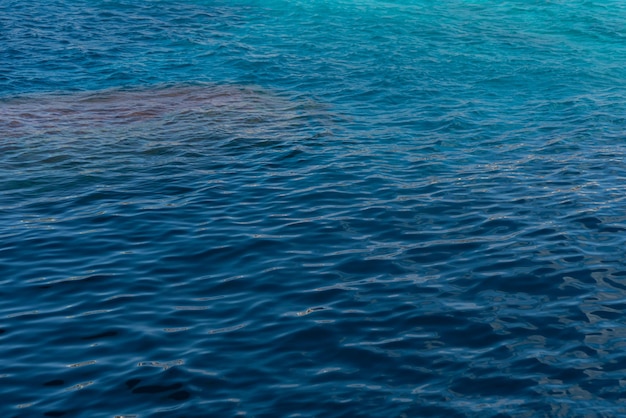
334,208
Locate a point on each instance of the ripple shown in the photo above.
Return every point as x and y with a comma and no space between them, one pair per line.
327,208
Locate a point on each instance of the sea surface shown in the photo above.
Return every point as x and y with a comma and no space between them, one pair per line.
312,208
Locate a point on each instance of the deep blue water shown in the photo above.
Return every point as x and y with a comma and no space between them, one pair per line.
333,208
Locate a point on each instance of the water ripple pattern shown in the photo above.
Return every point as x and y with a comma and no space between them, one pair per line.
338,208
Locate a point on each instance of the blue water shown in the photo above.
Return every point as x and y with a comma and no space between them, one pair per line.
333,208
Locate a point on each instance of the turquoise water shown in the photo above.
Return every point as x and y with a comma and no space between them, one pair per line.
322,208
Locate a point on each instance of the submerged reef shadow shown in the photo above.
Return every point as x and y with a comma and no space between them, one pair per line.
92,111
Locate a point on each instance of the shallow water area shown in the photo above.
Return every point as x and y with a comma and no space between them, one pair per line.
322,208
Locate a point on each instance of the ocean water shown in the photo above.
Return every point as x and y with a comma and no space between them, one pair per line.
329,208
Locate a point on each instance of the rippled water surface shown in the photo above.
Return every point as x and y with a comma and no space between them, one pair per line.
333,208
